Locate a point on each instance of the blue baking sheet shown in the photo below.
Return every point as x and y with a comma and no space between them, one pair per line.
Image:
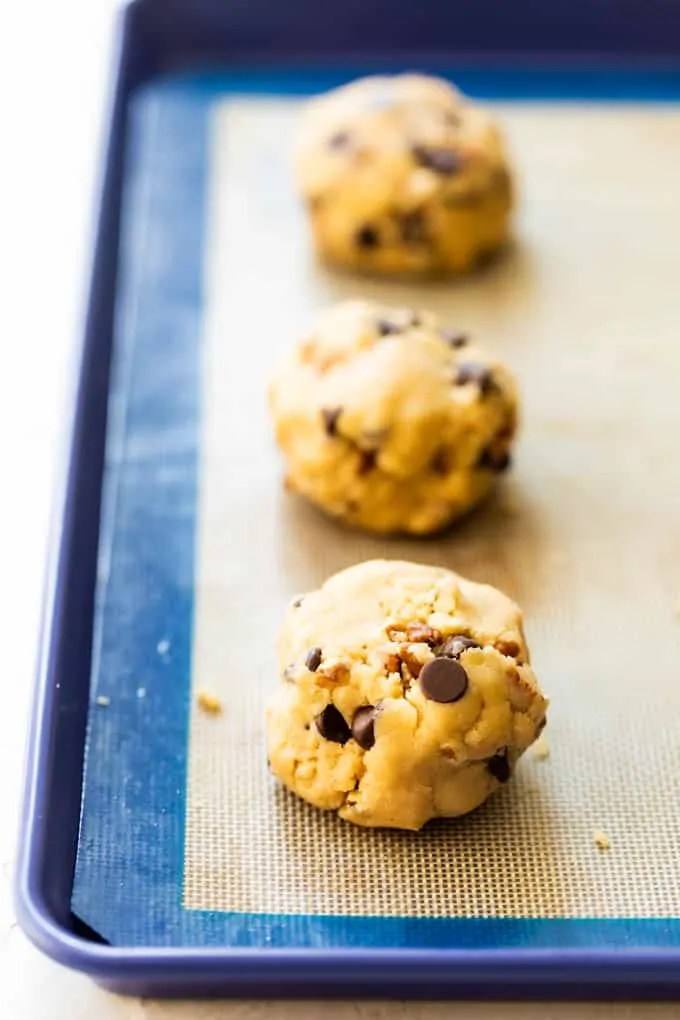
129,873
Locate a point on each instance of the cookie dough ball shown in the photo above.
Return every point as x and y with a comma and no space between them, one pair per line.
406,695
390,421
403,175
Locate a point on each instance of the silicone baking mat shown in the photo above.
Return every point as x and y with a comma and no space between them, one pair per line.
185,838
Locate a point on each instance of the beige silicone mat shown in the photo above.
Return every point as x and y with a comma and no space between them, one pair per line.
585,535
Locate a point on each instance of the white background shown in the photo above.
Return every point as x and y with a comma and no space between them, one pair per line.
53,73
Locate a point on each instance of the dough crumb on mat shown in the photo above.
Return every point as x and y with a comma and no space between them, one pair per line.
208,702
103,700
404,174
540,749
391,421
390,720
601,840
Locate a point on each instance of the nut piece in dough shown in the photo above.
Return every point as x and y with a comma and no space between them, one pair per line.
403,174
412,712
391,422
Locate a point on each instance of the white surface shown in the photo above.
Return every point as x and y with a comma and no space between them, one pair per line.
49,109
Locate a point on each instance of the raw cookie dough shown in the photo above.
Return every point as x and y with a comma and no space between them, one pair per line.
406,695
403,174
390,421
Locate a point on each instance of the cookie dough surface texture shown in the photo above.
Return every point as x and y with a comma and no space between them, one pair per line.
390,421
406,695
403,174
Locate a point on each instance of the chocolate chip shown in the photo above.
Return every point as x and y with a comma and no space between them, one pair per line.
367,461
386,328
456,645
443,680
508,430
412,227
298,601
332,726
440,462
490,460
473,372
442,161
367,237
486,257
339,140
418,632
454,338
313,659
330,417
363,726
509,648
499,767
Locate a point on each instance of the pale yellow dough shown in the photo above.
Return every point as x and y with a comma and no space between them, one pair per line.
392,432
371,628
403,174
